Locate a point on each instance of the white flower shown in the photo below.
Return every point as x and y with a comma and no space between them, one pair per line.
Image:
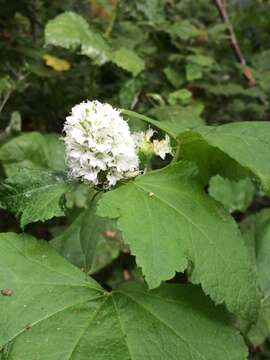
144,144
162,147
99,147
142,141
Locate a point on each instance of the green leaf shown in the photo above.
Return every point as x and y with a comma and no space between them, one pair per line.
100,240
89,242
34,195
209,160
68,242
174,119
203,238
234,195
233,90
153,10
182,96
256,230
58,305
56,152
246,142
174,77
184,30
27,150
193,72
129,92
183,118
260,331
69,30
79,195
127,60
32,150
202,60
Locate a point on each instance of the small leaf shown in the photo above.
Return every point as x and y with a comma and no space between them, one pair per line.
193,72
184,30
59,305
203,236
56,63
127,60
69,30
153,10
34,195
202,60
174,77
182,96
234,195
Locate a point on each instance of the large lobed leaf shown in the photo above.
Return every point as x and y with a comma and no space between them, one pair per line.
34,195
64,315
227,149
171,225
185,118
175,120
209,160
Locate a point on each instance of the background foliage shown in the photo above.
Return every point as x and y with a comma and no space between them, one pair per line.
170,60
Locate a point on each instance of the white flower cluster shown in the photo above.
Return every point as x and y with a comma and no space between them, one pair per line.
99,147
144,144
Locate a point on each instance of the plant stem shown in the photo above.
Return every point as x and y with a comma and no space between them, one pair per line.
177,153
220,4
3,103
112,21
